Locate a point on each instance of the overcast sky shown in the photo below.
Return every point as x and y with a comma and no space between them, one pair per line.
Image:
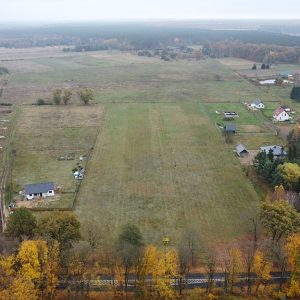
103,10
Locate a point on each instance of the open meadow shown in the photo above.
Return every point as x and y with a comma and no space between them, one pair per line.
165,168
158,160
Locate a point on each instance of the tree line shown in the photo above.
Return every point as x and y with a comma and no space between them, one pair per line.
136,36
268,54
283,170
64,96
36,254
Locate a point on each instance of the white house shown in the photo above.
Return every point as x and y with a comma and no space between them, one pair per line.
257,104
277,151
281,115
38,190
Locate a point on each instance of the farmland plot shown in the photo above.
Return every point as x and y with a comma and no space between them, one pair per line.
165,168
46,133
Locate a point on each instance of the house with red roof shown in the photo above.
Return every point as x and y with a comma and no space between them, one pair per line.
281,115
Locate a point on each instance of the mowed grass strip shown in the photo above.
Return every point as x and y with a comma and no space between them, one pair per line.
165,168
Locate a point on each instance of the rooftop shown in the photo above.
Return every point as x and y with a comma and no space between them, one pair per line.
256,101
278,111
277,150
230,127
37,188
240,148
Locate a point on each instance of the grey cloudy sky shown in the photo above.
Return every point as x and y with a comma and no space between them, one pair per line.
97,10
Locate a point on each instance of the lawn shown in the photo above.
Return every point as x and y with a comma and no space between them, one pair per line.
165,168
246,117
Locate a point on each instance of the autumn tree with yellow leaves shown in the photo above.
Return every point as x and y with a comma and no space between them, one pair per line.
232,266
261,268
162,266
31,273
290,174
293,250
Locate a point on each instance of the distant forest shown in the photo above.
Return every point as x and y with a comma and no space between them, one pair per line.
250,44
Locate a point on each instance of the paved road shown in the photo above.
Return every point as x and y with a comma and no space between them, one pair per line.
194,280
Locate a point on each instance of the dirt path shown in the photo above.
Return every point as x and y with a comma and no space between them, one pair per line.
3,210
5,170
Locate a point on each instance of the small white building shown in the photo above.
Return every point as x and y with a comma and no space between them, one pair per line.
281,115
38,190
268,82
258,104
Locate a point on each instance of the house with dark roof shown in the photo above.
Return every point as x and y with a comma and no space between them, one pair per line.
278,151
281,115
230,128
258,104
241,150
38,190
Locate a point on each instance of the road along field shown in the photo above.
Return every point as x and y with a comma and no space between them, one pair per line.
165,168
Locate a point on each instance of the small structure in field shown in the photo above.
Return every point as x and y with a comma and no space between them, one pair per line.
230,115
268,82
67,156
38,190
241,150
230,129
258,104
278,151
286,75
281,115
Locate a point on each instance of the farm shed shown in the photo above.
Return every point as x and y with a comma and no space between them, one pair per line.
257,104
241,150
37,190
278,151
230,128
230,114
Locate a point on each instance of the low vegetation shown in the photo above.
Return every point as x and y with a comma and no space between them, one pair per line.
56,255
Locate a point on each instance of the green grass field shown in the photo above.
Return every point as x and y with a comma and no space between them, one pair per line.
166,168
159,160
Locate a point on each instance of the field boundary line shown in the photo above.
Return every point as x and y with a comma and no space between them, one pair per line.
7,168
98,136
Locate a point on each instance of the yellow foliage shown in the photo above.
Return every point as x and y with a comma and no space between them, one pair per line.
32,273
294,288
235,265
20,289
293,250
32,256
163,266
261,267
6,265
290,172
